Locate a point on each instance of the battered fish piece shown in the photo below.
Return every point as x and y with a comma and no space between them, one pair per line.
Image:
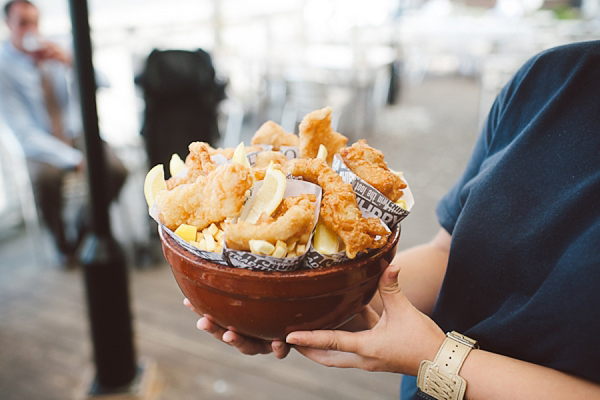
228,151
211,198
293,220
197,163
263,160
314,130
271,133
339,209
367,163
265,157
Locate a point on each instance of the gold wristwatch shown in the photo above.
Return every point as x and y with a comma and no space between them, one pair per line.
439,379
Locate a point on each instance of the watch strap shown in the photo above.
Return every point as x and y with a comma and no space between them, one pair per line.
439,379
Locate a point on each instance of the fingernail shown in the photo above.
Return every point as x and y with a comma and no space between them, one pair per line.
291,340
394,271
278,345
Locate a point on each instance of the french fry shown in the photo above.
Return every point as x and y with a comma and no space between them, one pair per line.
258,246
401,203
291,246
280,249
219,236
210,242
212,229
186,232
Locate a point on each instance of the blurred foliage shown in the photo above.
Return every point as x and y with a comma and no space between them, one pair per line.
564,11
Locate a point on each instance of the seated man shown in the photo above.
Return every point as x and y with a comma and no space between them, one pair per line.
36,104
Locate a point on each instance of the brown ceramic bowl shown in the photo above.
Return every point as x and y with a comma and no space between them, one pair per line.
270,304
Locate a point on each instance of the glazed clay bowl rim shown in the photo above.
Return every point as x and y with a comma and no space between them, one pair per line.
201,268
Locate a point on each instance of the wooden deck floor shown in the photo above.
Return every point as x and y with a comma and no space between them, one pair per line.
44,346
45,350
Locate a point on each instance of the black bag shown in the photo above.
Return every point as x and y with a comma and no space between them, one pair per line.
182,99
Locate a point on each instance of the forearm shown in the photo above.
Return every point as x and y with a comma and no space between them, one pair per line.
491,376
422,270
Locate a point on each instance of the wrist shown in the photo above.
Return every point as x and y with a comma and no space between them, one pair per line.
440,378
430,350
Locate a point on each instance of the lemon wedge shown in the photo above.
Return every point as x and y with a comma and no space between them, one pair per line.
176,164
322,153
269,195
154,183
325,241
239,155
186,232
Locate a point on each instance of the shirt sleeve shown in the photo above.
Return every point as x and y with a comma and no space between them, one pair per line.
37,143
450,206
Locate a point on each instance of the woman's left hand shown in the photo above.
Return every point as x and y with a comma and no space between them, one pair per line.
395,342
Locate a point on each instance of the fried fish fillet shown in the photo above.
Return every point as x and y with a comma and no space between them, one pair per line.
227,152
314,130
197,163
209,199
367,163
293,220
264,158
339,209
271,133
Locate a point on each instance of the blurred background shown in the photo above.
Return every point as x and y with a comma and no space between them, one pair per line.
415,78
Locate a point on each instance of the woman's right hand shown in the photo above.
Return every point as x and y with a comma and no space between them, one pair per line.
245,344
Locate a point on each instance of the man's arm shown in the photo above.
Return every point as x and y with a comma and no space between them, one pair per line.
36,143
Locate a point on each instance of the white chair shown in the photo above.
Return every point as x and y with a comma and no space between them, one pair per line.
11,151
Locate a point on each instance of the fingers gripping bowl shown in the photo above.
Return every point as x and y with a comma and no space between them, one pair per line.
291,235
271,304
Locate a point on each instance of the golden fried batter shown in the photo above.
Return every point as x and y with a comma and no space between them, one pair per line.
210,199
197,163
339,209
271,133
367,163
228,151
293,219
315,129
265,157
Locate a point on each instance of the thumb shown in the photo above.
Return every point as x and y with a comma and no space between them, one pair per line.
389,289
388,283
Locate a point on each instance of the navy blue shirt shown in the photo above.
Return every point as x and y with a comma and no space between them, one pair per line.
523,277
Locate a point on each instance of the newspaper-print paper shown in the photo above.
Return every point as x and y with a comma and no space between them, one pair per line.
253,155
370,201
218,258
290,152
245,259
314,259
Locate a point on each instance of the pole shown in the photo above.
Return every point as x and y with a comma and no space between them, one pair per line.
103,261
